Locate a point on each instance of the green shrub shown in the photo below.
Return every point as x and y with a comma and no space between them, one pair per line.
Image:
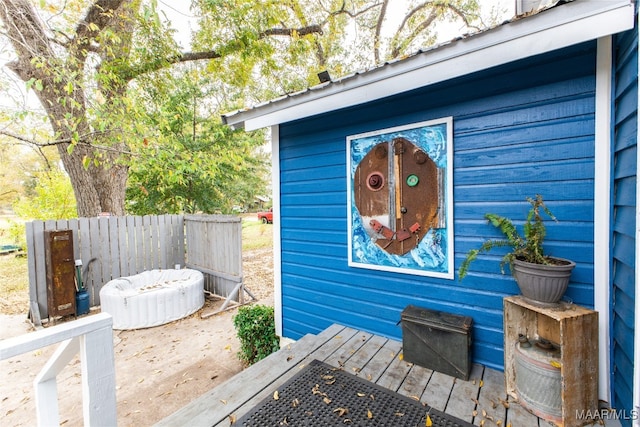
256,329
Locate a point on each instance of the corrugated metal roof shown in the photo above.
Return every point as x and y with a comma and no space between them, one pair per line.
237,118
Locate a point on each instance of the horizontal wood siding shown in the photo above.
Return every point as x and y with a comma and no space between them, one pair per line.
624,214
519,130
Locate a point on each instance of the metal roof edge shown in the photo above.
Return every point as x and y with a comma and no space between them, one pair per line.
552,29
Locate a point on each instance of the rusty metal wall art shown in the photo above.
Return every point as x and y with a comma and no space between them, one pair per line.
400,199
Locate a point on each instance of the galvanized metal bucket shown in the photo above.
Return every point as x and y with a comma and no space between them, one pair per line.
538,378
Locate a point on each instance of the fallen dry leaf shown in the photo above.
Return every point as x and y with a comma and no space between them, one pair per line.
275,395
232,419
341,411
369,414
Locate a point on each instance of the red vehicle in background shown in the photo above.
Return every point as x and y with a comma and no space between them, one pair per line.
266,217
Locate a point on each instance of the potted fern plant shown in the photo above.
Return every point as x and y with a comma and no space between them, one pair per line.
542,279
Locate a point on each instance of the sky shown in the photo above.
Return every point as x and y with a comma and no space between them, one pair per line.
183,20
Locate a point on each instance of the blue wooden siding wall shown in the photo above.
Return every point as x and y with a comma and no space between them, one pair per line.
519,130
624,198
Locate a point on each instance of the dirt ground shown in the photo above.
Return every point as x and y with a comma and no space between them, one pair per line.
158,370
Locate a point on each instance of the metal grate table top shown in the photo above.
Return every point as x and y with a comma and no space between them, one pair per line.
321,395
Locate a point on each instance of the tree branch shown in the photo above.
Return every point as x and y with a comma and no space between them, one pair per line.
304,31
376,37
99,14
65,141
132,73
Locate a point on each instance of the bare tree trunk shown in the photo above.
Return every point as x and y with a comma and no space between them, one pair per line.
59,63
96,188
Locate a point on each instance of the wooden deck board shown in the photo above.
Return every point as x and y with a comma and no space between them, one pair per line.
379,363
415,382
518,416
374,358
333,340
395,374
438,390
358,360
463,398
492,392
344,353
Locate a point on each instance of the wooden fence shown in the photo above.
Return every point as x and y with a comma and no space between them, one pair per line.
112,247
214,246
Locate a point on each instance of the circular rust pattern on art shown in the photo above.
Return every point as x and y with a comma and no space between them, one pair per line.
375,181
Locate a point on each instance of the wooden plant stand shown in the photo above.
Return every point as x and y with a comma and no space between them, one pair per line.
575,330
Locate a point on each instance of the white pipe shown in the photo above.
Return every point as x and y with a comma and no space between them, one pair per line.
602,204
277,258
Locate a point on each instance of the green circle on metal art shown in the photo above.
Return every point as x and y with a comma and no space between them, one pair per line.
412,180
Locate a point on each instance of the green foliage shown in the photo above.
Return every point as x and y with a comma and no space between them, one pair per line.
527,247
255,326
51,197
194,163
48,195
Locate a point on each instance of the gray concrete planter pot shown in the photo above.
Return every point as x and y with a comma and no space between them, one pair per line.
543,284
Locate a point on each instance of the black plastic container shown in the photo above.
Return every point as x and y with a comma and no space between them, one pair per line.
437,340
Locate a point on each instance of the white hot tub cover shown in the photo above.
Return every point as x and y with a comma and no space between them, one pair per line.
152,298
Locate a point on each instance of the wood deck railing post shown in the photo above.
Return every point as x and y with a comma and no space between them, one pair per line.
98,378
45,384
92,336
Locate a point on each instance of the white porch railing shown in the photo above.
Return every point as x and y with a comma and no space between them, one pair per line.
92,337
